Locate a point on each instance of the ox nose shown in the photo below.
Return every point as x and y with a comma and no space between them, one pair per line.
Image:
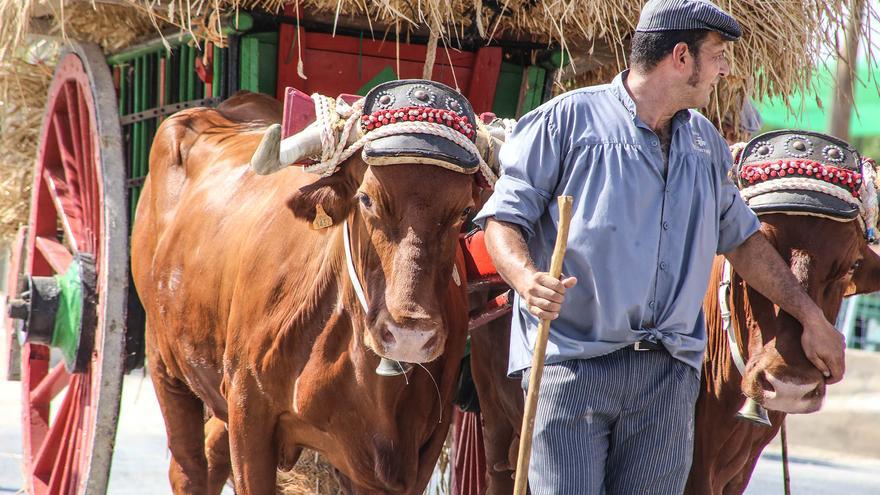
790,395
413,340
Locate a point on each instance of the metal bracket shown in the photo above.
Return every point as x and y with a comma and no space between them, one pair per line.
168,110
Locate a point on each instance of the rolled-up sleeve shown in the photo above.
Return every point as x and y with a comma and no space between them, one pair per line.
737,221
530,165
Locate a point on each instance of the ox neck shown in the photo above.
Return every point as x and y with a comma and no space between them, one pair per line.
724,297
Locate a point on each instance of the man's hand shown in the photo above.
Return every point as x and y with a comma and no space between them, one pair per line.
544,294
824,347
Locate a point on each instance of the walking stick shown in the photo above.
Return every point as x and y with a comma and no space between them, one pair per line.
786,476
528,425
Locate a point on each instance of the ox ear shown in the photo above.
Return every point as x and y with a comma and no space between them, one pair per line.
331,196
867,276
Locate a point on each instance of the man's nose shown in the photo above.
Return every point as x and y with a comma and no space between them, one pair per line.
724,70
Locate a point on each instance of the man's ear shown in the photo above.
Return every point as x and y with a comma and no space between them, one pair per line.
866,278
680,53
331,196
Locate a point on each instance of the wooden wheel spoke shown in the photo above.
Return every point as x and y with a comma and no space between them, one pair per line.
89,189
50,386
54,253
44,461
68,211
61,466
69,151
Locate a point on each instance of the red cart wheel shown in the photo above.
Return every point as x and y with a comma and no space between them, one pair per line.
75,283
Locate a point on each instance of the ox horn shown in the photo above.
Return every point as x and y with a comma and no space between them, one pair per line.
754,412
273,153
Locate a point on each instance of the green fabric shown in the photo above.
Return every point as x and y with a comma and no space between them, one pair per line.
808,114
384,75
68,320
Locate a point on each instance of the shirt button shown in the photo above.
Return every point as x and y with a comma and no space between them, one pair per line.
651,304
665,225
664,265
654,142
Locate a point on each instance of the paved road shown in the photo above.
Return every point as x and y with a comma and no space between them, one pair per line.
141,458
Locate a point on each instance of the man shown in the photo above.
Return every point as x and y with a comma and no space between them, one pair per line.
653,205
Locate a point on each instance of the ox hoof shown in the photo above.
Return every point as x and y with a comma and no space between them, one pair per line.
387,367
266,159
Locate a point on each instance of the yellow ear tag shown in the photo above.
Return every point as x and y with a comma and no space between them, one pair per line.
322,219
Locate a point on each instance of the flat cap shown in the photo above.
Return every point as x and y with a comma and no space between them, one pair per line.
673,15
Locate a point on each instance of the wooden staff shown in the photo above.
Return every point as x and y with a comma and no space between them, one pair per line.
528,425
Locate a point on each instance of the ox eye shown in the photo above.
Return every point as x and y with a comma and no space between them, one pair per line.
466,212
854,267
365,201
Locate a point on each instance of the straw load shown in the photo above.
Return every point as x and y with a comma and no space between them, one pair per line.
783,41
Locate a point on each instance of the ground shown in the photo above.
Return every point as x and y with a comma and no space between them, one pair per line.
833,451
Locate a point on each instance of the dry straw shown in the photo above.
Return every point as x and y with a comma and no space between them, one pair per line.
783,42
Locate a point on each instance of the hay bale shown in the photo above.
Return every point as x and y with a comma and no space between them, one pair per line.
23,88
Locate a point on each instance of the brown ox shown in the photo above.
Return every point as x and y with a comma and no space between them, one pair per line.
830,258
252,319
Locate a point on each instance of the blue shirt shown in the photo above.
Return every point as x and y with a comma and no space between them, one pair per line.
641,245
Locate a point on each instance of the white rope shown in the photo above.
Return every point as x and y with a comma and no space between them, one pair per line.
352,273
335,114
789,183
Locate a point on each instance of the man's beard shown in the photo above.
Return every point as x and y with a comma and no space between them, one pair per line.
694,79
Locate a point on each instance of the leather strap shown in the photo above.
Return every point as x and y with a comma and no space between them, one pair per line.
726,320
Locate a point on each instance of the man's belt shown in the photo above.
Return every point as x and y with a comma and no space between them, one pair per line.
647,345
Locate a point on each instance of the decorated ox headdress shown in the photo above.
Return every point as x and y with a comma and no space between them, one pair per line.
808,173
406,121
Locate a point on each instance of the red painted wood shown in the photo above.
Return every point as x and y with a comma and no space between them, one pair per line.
299,112
487,67
468,456
54,253
35,416
51,385
286,54
44,460
58,195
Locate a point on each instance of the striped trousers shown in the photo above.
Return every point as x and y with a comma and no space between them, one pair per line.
620,424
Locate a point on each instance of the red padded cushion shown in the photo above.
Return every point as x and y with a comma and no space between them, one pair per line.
476,257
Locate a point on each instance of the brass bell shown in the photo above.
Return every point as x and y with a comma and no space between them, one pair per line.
389,367
754,412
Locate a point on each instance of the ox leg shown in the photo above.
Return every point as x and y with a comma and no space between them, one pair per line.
184,420
217,454
251,437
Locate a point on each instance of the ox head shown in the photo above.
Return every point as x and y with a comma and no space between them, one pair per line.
402,200
817,204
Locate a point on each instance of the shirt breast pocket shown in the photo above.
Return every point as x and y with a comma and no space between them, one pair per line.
704,190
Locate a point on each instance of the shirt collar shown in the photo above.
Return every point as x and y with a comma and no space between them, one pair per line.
619,89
